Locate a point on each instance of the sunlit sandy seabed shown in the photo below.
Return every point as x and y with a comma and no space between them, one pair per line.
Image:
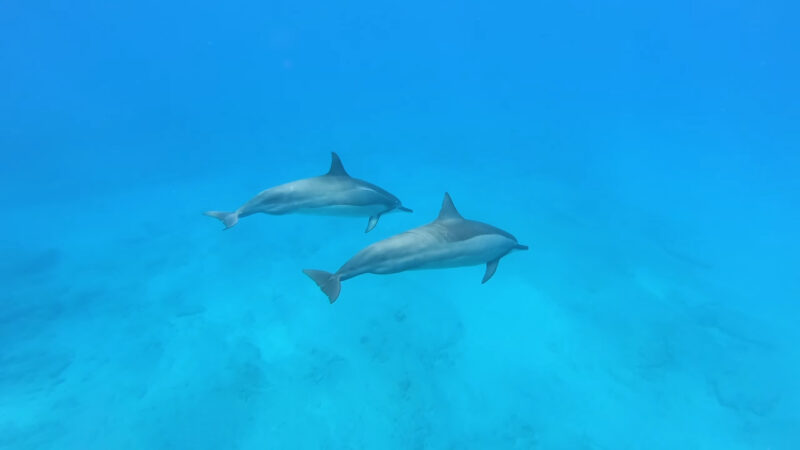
129,320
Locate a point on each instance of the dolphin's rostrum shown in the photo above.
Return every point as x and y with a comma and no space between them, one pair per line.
448,241
335,194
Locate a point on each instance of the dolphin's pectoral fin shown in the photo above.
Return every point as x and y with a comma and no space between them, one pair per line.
373,221
491,268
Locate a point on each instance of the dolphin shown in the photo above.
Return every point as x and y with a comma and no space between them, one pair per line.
448,241
334,194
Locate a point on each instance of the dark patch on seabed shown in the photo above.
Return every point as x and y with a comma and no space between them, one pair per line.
28,263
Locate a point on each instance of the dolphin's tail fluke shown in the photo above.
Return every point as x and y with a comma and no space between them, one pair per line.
228,218
330,283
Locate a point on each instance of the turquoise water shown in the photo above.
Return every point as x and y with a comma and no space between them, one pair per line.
647,155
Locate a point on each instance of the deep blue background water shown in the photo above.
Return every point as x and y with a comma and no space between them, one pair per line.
648,155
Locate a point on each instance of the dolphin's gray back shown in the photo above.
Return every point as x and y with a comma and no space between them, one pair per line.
396,248
412,249
320,192
455,230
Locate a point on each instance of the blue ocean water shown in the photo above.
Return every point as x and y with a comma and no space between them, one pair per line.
646,153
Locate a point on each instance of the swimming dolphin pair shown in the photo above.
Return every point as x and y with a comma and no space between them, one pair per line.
334,194
449,241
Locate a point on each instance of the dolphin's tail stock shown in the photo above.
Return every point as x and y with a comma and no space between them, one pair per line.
330,283
228,218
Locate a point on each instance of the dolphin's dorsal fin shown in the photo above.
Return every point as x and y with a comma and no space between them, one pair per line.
336,166
448,210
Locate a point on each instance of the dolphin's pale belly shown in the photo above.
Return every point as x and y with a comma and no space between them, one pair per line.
469,252
343,210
